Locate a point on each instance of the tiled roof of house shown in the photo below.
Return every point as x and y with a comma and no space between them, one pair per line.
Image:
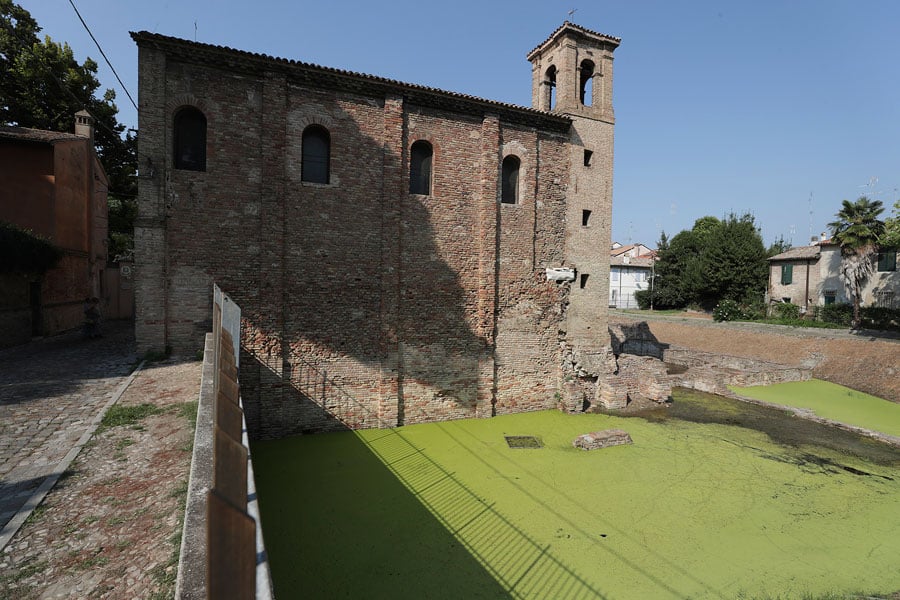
37,135
632,261
578,29
319,76
620,250
798,253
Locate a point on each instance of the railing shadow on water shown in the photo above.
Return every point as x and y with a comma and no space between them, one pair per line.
480,549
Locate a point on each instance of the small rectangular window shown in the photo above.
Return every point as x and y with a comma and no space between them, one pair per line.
830,297
614,273
787,274
887,261
588,155
585,218
583,280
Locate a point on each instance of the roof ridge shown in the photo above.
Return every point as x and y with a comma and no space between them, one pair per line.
575,27
148,37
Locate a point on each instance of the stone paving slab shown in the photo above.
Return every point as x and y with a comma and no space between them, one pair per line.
51,390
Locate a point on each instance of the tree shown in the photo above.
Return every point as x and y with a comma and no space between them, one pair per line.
733,263
777,247
857,230
671,288
714,260
43,86
891,236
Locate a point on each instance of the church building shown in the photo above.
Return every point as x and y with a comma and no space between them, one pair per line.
400,253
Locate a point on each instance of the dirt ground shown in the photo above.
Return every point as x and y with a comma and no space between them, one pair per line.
111,527
867,364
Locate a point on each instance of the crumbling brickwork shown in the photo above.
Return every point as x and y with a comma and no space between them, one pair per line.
365,305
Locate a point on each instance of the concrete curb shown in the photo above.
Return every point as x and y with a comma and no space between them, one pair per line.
41,492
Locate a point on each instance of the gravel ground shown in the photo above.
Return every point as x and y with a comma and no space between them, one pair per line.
111,527
863,362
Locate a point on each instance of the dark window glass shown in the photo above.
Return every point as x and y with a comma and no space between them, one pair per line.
510,180
190,140
585,218
887,261
420,157
316,155
787,274
588,154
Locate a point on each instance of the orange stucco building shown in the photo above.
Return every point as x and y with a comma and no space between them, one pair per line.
53,184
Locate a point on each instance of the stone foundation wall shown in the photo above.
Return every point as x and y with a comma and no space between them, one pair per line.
714,372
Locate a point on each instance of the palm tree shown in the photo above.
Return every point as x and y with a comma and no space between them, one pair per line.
856,231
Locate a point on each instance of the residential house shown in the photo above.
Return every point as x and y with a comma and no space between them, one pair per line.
810,276
630,270
52,184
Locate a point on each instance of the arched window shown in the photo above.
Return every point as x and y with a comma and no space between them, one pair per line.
420,157
586,80
550,89
316,152
190,139
509,192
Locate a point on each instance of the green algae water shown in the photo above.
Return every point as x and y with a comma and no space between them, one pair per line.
715,499
832,401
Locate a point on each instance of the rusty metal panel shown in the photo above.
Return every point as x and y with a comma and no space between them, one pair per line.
229,417
230,469
227,386
231,539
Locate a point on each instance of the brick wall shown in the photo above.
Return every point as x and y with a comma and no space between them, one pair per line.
363,305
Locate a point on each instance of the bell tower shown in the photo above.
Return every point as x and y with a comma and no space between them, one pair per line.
572,74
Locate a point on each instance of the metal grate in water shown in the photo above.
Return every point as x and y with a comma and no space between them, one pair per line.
523,441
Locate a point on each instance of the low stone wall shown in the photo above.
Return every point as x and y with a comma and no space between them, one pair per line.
713,373
602,439
222,552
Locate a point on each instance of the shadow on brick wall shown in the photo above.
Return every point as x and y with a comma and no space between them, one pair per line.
366,286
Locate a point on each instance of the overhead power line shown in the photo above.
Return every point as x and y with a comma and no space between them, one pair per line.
102,53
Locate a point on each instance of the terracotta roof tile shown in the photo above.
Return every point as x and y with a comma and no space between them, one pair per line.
227,57
577,29
798,253
37,135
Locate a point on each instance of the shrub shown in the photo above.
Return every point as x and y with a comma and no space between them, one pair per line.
728,310
840,314
25,252
877,317
754,311
643,299
786,311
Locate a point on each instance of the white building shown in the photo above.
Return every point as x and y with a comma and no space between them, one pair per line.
630,270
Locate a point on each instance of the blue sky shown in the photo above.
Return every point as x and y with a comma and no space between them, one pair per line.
781,109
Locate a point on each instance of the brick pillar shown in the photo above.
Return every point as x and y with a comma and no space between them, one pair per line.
394,149
150,226
488,248
269,307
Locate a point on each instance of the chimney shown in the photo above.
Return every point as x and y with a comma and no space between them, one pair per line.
84,125
823,237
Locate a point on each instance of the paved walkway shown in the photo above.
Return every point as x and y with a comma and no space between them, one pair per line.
51,392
